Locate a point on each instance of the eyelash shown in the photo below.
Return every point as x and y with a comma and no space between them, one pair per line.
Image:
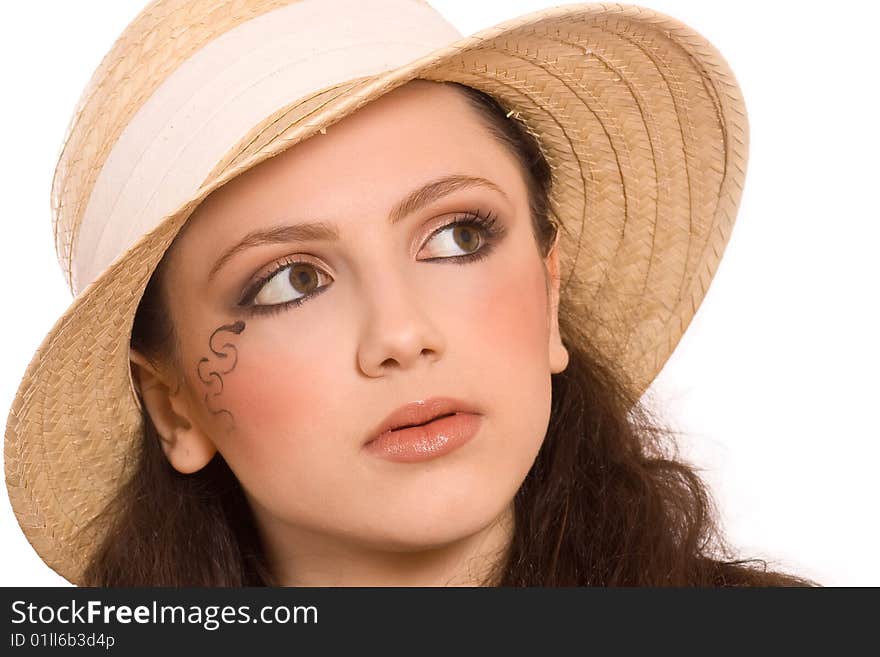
487,223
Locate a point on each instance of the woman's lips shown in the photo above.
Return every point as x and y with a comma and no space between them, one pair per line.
426,441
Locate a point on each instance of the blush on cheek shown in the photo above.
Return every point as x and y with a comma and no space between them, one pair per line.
276,386
515,311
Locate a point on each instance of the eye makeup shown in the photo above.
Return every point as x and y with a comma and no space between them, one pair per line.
491,231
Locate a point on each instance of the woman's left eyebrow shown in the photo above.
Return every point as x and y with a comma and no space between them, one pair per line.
320,230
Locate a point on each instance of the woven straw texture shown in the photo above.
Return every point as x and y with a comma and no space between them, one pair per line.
640,118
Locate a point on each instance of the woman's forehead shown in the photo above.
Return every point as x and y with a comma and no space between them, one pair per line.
365,164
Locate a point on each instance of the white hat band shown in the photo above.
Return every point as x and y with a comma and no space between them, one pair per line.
210,102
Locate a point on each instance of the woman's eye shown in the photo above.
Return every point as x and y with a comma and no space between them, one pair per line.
465,240
455,240
294,281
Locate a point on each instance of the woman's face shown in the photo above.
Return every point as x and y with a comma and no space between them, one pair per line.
390,312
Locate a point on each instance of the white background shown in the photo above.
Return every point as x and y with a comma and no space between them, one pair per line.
775,383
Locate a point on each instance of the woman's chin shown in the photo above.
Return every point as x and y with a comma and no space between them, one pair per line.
434,529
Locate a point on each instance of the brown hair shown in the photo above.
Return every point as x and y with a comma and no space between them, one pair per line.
606,502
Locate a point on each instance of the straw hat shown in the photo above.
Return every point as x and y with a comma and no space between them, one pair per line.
639,116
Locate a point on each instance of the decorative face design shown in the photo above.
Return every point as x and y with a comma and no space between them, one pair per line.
388,261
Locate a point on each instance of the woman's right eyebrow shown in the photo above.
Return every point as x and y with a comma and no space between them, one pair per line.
279,235
320,230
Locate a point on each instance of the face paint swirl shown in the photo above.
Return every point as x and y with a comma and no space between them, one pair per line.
211,369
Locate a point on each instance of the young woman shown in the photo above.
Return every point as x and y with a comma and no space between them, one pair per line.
401,341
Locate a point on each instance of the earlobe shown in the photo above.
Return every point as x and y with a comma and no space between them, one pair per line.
186,446
558,354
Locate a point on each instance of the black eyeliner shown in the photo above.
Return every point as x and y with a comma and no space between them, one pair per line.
488,224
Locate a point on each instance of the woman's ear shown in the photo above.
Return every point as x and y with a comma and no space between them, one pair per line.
557,352
186,446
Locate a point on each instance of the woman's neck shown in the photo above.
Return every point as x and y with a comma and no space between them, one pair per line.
308,559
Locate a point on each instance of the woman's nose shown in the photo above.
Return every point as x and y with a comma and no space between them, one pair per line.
397,332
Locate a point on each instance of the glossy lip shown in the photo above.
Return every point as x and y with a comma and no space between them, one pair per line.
420,412
426,441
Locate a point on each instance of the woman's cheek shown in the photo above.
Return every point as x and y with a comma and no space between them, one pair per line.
279,382
512,315
514,362
268,400
278,395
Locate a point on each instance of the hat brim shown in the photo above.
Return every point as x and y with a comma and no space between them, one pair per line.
645,130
